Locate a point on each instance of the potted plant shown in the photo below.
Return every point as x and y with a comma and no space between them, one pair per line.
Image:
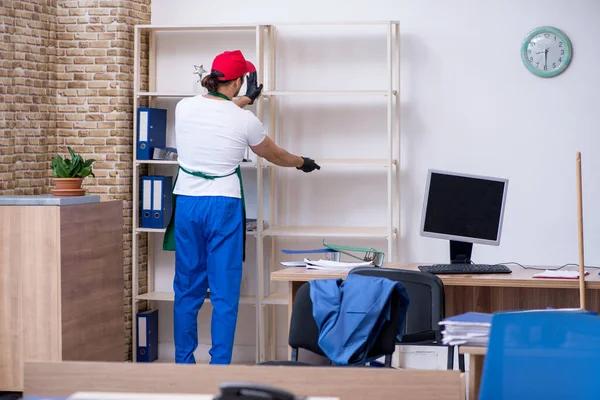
70,173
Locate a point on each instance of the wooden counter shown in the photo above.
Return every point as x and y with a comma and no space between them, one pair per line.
61,282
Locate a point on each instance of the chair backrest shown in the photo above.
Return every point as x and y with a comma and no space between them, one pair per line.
542,355
304,333
426,294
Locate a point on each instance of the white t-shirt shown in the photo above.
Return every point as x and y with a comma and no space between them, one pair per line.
212,137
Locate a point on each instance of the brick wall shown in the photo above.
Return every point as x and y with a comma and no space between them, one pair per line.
66,69
94,62
27,94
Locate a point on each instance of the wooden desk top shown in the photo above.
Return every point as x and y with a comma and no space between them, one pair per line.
473,350
519,278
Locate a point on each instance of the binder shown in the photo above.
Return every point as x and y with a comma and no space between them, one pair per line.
146,202
162,201
151,131
156,199
147,336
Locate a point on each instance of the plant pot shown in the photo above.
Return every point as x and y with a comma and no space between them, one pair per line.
68,187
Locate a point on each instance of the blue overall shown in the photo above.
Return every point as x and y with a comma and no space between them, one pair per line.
209,241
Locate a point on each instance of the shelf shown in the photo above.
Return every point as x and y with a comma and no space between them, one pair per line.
276,299
180,28
152,230
282,93
386,95
347,163
326,231
327,92
157,162
250,27
244,165
329,162
170,296
171,94
164,94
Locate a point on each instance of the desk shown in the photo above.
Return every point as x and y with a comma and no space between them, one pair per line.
56,379
476,358
480,292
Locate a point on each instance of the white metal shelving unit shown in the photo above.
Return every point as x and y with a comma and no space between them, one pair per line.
151,96
266,63
389,165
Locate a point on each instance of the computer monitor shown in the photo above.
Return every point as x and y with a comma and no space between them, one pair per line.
463,209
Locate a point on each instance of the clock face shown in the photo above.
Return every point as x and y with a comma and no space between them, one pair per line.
546,52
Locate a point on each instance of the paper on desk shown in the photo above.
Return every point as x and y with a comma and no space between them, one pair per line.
293,263
335,265
559,274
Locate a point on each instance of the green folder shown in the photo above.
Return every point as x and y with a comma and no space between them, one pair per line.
371,254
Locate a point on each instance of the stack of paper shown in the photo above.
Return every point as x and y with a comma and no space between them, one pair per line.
335,265
558,274
470,329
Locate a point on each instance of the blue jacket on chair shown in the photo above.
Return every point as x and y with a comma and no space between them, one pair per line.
350,314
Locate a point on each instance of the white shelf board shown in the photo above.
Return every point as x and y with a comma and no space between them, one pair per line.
326,231
327,92
329,162
236,27
341,23
171,94
276,299
244,165
165,94
170,296
157,162
152,230
349,163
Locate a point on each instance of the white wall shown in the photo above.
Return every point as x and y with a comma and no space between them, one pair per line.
468,104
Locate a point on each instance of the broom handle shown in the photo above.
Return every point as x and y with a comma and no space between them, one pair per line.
580,234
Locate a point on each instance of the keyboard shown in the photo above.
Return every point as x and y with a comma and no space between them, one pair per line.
439,269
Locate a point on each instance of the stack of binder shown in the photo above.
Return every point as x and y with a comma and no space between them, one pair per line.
157,201
469,329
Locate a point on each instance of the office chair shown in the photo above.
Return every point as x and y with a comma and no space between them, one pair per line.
542,355
426,308
304,333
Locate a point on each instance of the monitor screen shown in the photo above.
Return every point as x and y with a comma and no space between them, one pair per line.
463,207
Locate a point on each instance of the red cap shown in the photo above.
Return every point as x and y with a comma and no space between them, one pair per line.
232,65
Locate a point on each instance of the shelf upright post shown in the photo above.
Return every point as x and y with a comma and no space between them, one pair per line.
390,93
273,132
134,217
398,146
151,103
259,218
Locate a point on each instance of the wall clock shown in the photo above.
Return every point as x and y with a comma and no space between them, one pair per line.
546,51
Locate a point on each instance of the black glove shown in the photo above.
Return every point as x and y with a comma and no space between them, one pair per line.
252,91
308,165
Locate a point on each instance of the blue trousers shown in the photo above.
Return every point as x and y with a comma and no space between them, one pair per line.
209,240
